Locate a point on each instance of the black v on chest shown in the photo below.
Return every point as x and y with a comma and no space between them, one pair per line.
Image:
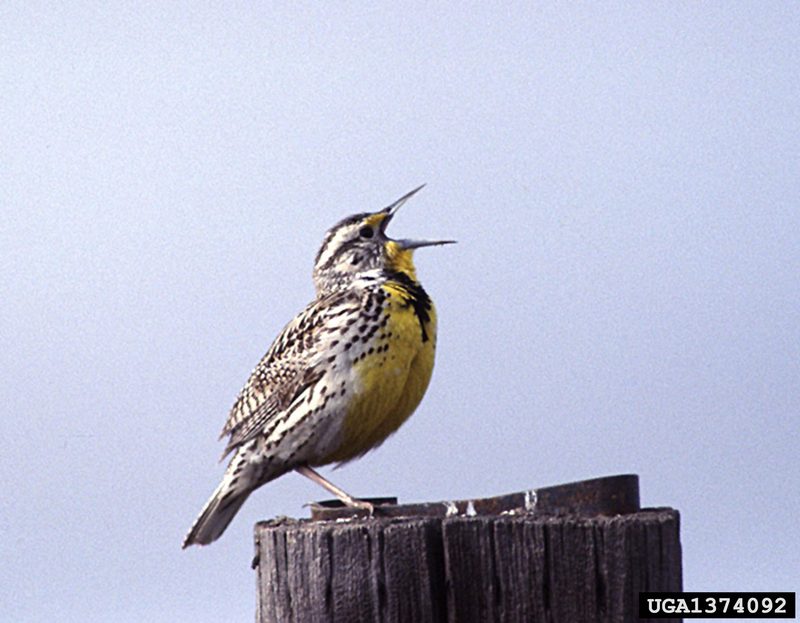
413,294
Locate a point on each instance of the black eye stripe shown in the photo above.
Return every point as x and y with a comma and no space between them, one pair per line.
353,239
333,231
338,253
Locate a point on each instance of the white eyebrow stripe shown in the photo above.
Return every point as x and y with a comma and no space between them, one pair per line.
339,237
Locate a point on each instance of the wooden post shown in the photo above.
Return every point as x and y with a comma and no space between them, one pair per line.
509,566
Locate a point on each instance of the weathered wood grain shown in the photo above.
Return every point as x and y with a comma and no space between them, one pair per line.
505,568
365,570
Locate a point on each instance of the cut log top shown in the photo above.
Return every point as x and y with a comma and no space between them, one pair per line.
534,563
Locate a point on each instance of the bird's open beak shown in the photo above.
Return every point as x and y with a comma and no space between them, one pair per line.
392,209
416,244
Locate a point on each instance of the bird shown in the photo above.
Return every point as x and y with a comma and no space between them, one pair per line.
340,378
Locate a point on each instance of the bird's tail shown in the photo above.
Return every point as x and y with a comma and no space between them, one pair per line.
216,514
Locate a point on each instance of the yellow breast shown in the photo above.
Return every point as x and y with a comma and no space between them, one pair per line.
390,382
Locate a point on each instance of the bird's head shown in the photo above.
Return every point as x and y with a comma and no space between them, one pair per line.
358,244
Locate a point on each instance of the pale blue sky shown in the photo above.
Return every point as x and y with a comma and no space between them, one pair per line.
625,296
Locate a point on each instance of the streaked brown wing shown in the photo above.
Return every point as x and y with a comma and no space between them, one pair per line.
285,371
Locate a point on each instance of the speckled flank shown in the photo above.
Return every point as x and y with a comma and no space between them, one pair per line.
393,370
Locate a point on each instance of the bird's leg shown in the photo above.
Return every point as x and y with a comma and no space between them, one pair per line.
346,498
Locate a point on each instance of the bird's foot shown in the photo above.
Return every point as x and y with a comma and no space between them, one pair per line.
362,504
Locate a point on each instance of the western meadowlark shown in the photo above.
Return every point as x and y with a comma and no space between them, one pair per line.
341,377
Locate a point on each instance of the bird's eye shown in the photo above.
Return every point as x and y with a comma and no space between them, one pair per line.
366,232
